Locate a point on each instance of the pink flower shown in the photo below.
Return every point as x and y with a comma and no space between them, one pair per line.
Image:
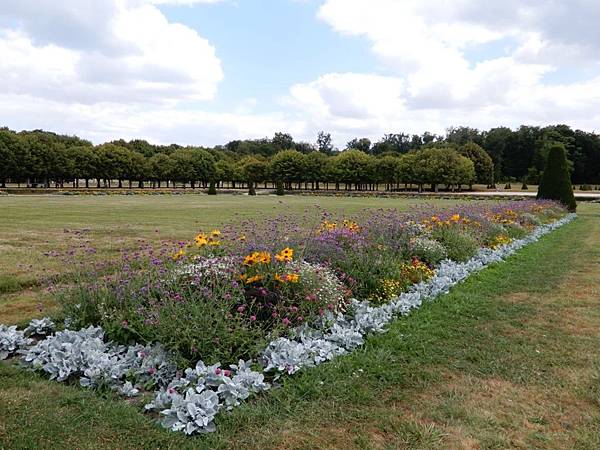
294,309
227,373
300,318
252,318
286,322
218,371
151,370
330,307
241,309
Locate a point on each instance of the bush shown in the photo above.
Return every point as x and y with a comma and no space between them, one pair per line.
461,245
556,181
428,250
490,232
515,230
530,220
212,190
279,188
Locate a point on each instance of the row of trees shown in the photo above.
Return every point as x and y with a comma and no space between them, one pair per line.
48,159
497,155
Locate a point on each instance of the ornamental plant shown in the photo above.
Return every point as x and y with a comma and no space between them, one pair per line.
556,179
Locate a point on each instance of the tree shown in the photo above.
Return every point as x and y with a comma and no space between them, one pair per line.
160,168
397,143
283,141
352,167
494,144
386,170
484,166
556,181
363,145
10,147
85,163
252,170
314,166
462,135
183,166
324,143
287,167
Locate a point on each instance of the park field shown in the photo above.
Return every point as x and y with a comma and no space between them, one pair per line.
508,359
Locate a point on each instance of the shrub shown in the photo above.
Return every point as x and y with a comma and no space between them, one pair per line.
530,220
408,274
428,250
490,232
515,230
212,190
461,245
279,188
556,181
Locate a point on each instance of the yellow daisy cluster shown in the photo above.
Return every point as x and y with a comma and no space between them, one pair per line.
346,224
212,239
257,258
507,217
416,271
455,219
259,268
499,241
388,288
290,277
180,254
285,255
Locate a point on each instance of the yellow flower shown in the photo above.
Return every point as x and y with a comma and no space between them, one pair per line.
253,279
292,277
214,243
242,237
251,259
180,254
455,218
264,257
278,278
201,240
215,233
285,255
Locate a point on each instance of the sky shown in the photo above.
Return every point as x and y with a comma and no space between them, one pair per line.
204,72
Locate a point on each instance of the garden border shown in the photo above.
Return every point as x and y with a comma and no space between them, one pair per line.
191,402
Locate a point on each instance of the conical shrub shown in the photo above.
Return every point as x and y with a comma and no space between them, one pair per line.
556,181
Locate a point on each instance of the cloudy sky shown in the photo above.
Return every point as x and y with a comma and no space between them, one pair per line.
208,71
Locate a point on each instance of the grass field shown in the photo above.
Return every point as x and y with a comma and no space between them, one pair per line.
509,359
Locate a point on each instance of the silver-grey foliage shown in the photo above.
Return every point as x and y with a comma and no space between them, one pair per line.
12,340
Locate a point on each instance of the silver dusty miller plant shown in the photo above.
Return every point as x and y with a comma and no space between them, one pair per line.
11,341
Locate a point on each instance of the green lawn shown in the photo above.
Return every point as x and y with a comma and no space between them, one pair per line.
509,359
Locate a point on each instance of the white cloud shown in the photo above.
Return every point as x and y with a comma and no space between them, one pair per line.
131,54
431,83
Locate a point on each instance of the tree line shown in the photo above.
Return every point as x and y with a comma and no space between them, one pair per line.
462,157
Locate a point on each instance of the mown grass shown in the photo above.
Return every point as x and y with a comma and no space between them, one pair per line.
35,225
508,359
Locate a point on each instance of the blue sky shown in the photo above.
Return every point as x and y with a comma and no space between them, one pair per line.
204,72
266,49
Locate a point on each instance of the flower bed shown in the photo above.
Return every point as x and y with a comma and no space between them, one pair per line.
276,297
